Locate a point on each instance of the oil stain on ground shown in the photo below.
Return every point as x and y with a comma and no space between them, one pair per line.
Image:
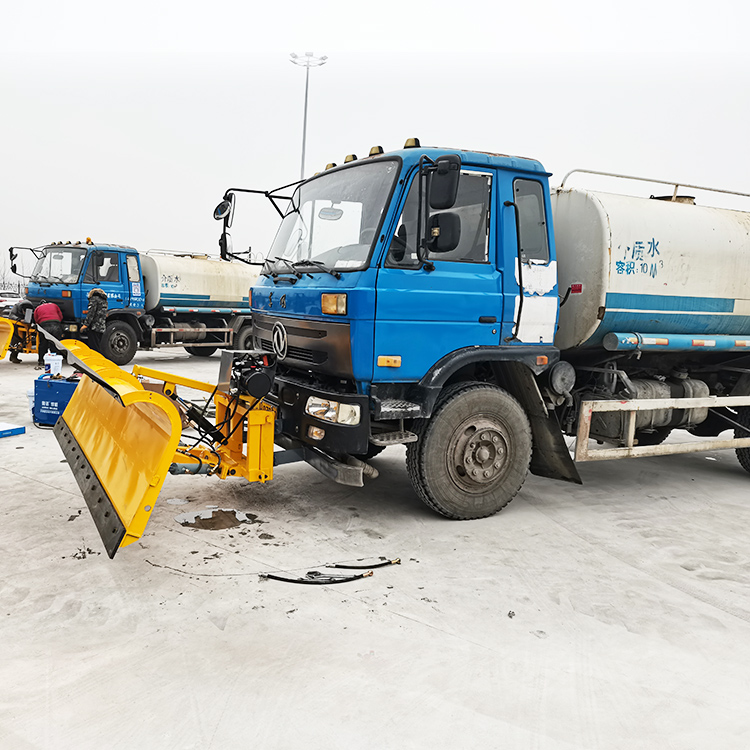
214,520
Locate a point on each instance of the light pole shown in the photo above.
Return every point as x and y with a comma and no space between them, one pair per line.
307,61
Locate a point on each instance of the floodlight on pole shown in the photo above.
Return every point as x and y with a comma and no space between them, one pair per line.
307,61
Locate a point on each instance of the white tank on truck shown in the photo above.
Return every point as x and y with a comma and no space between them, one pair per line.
194,281
649,266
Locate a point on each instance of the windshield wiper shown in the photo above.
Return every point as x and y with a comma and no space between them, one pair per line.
289,265
317,264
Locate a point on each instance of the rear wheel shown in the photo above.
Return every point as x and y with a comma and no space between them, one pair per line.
201,351
743,454
244,339
655,437
119,342
473,453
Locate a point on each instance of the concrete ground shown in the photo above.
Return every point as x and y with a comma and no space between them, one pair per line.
612,615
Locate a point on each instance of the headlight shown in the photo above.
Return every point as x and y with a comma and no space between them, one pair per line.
332,411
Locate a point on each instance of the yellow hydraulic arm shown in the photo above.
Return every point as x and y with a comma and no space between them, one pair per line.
25,331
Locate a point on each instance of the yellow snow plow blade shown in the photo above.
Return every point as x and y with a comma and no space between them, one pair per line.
119,440
6,334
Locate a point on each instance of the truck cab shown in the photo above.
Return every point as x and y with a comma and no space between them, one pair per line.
66,273
395,284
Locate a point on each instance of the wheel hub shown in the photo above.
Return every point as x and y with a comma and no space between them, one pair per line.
480,451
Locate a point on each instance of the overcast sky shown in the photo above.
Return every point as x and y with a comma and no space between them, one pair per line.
126,122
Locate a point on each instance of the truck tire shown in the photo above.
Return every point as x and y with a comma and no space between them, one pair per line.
244,339
743,454
473,454
372,451
119,342
201,351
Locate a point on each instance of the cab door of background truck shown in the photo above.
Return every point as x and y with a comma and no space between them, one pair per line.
423,315
111,276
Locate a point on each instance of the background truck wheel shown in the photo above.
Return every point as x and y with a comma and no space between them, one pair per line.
244,339
655,437
473,453
119,342
743,454
201,351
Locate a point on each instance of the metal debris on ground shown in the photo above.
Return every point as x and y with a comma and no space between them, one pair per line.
384,561
316,578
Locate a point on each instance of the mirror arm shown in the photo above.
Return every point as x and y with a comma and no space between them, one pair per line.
422,242
517,322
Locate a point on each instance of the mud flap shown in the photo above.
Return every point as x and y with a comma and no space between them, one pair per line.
119,440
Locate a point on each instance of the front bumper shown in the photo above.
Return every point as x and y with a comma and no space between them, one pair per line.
291,398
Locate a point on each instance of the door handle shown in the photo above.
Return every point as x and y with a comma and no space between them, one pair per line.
487,319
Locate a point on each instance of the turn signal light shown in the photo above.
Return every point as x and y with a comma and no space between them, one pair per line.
333,304
67,293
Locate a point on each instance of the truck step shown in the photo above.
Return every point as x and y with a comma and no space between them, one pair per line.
398,409
393,438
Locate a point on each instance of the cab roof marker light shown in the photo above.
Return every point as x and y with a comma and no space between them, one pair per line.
350,157
412,143
331,165
376,151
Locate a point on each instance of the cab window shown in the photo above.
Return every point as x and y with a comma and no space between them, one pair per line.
133,273
473,209
109,271
532,224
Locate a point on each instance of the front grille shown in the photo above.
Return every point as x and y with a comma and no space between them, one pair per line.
298,353
321,346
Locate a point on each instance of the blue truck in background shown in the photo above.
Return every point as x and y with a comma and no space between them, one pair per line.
155,299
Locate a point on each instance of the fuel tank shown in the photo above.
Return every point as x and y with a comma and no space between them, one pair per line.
648,266
195,281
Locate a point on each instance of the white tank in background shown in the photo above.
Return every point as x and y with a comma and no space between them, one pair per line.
195,281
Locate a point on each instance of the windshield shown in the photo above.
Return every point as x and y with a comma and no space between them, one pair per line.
59,264
333,220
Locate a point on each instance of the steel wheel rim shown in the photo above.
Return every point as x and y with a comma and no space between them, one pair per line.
478,454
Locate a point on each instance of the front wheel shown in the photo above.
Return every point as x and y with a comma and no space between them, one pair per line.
119,342
473,453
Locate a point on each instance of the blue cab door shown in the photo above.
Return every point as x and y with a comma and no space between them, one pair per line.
423,315
110,276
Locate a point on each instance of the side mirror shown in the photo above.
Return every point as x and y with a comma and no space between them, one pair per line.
443,188
444,232
222,210
13,268
225,245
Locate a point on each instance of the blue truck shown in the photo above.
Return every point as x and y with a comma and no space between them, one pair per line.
155,299
422,297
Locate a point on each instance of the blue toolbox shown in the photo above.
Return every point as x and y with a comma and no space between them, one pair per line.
51,396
